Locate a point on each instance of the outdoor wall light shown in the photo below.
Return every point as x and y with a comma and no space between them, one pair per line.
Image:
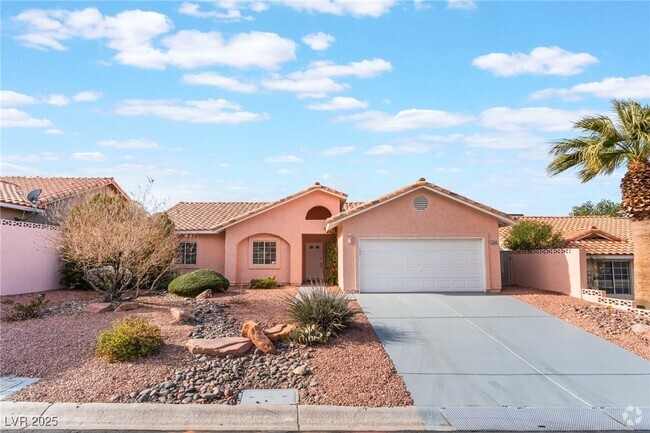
350,238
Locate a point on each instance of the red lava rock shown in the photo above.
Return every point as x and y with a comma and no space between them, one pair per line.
236,346
253,331
207,294
99,307
279,332
180,315
127,306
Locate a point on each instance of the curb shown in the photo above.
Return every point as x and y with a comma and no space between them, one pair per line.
143,416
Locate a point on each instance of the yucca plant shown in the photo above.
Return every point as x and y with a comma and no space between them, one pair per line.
608,144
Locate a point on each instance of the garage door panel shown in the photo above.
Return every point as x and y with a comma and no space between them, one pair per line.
421,265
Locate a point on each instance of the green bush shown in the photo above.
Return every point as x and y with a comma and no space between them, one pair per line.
129,340
332,264
31,310
192,284
72,277
533,235
319,315
264,283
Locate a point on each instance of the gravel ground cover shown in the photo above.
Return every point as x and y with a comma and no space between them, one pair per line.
350,370
59,302
608,323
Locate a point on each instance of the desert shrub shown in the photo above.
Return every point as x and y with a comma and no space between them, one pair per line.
264,283
129,340
72,277
320,314
533,235
31,310
193,283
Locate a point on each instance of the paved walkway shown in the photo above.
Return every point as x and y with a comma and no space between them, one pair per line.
493,351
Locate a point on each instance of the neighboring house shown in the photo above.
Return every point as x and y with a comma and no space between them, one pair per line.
59,192
418,238
607,243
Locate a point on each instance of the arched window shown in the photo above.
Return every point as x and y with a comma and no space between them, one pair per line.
318,213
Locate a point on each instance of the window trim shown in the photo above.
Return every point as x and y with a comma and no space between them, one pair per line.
610,263
275,265
181,258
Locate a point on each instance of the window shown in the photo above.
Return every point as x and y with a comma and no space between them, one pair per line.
186,253
614,277
318,213
264,253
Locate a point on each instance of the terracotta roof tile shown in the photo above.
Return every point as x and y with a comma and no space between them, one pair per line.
14,189
215,216
419,184
618,229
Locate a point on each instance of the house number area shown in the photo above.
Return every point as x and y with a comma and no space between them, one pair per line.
26,421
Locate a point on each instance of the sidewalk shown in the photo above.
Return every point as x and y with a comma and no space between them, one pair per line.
143,416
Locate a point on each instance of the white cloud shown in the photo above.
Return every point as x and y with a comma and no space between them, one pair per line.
615,87
45,156
9,98
339,103
291,159
318,41
360,69
224,165
231,14
88,156
132,32
539,118
57,99
506,141
139,169
285,171
540,61
337,150
406,120
305,87
357,8
461,4
53,131
382,172
129,144
13,118
401,149
8,169
86,96
217,111
216,80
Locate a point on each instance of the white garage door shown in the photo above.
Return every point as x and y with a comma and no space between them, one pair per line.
421,265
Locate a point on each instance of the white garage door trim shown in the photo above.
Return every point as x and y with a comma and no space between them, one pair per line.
403,284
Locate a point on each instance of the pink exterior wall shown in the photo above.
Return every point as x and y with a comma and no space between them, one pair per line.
210,252
29,261
562,271
443,218
286,222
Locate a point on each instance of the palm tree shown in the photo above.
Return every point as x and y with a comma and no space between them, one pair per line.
605,146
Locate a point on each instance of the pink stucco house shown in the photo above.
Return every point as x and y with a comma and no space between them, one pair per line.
418,238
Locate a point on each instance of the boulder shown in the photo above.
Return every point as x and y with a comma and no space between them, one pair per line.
253,331
640,328
279,332
206,294
180,315
221,347
127,306
99,307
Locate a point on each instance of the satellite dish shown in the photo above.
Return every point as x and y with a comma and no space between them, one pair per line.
33,196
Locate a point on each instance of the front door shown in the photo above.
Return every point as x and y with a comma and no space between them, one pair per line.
314,257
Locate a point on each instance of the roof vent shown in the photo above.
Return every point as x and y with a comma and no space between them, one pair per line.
420,202
422,179
317,183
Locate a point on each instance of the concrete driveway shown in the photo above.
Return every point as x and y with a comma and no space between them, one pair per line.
494,350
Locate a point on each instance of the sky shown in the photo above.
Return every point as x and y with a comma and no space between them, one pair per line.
255,100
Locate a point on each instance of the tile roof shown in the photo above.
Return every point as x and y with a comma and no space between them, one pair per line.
332,221
14,189
215,216
588,233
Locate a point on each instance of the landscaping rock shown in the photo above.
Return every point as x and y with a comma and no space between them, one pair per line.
279,332
180,315
640,328
98,307
236,346
127,306
253,331
300,371
206,294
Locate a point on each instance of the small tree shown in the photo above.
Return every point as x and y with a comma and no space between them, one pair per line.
117,244
533,235
602,208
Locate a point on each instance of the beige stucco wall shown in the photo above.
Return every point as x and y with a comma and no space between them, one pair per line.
562,271
210,252
286,222
443,218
